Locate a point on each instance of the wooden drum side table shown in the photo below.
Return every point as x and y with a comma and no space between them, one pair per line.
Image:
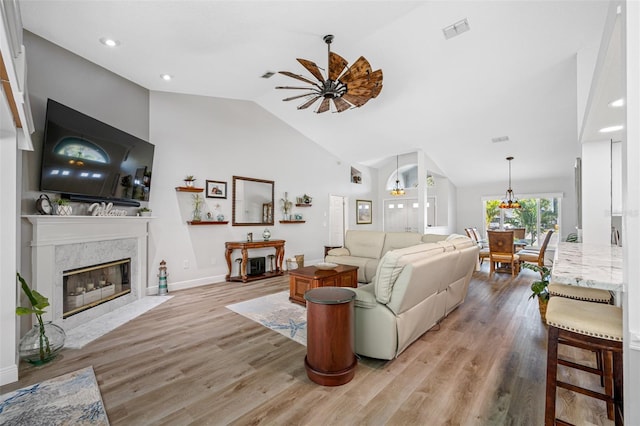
331,359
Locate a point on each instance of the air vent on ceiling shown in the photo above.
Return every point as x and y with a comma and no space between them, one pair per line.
268,74
500,139
456,29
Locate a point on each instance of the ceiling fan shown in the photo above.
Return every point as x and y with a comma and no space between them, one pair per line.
349,89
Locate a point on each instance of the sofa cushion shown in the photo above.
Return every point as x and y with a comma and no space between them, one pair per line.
365,243
433,238
398,240
392,264
366,266
365,297
341,251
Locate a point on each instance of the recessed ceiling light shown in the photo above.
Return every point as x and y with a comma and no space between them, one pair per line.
611,129
109,42
166,77
617,103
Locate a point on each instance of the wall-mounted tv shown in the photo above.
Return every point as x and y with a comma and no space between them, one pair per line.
85,159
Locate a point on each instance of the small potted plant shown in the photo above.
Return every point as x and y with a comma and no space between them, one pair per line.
144,211
62,207
43,342
189,180
540,288
286,206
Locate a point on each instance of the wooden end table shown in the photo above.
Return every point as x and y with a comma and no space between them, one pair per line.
304,279
331,358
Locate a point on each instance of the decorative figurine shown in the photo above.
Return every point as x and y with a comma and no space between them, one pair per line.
162,285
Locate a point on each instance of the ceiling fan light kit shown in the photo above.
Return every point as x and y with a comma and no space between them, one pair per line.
346,90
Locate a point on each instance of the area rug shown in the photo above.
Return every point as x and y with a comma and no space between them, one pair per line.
276,312
89,331
71,399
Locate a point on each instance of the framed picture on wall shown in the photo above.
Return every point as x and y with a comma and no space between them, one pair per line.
363,212
216,189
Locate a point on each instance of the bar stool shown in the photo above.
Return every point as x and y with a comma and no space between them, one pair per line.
586,294
592,326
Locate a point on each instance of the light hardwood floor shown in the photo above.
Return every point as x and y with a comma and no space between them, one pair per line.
192,361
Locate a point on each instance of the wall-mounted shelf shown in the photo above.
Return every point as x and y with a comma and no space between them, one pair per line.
303,205
188,189
292,221
207,222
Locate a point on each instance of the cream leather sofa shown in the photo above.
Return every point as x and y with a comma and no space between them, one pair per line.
413,289
364,249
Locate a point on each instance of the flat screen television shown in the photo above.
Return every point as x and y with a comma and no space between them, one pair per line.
85,159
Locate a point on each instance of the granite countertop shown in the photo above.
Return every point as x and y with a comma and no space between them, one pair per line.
588,265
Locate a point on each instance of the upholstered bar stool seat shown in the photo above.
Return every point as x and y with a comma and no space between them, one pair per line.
580,293
586,325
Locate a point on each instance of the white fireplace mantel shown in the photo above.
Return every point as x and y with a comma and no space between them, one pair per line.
52,236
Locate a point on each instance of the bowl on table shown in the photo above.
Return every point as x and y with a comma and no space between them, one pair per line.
326,266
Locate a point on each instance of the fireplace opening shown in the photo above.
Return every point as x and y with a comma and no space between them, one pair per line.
90,286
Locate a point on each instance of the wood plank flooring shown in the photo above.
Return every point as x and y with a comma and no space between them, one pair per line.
192,361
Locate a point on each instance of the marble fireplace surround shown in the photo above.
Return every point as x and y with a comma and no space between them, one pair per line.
60,243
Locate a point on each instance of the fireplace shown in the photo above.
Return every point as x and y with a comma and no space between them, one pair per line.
62,247
85,288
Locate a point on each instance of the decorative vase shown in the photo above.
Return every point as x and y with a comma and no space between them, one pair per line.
188,183
38,346
220,217
266,234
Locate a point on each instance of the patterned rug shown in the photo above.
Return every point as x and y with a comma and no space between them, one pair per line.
71,399
276,312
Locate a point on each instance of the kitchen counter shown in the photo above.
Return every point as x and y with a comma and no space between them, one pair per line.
588,265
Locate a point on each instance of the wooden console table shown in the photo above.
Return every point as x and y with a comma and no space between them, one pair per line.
244,246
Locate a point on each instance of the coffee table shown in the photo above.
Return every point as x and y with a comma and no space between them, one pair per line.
303,279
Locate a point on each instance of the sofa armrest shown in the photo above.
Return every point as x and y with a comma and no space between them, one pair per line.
365,296
340,251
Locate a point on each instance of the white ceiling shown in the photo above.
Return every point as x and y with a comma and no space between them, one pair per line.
513,74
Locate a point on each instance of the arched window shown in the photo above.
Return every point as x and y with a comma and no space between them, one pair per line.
78,149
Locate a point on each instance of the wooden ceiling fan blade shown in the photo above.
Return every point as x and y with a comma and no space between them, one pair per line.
309,102
297,97
337,64
357,101
312,68
294,88
298,77
376,91
359,69
324,106
341,104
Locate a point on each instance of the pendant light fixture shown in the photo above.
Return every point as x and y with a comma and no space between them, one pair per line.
397,190
510,201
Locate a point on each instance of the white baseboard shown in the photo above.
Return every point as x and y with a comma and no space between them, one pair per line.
8,374
182,285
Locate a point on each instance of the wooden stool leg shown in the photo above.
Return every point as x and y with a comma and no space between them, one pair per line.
552,372
607,376
617,388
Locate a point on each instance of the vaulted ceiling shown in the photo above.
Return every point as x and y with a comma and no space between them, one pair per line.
512,74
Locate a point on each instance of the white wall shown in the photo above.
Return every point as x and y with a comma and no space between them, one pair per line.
215,139
470,207
596,192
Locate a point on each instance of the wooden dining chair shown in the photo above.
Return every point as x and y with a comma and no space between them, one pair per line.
536,256
519,233
484,251
501,250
